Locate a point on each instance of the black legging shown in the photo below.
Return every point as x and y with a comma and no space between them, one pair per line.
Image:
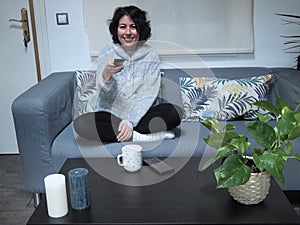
104,126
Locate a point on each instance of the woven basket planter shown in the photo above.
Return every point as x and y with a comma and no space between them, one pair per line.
254,191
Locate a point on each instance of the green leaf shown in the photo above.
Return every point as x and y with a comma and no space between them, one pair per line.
288,147
241,143
232,172
263,118
267,106
286,111
297,156
258,151
218,140
215,140
257,158
262,132
295,133
284,127
229,127
297,117
213,125
220,154
274,163
244,146
281,103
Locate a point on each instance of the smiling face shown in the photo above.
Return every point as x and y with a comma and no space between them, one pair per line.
127,33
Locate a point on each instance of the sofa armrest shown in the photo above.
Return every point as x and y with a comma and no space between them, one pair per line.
285,84
40,114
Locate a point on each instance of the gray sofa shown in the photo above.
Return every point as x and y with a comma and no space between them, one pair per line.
43,123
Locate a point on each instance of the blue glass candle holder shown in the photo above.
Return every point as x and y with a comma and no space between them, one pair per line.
79,188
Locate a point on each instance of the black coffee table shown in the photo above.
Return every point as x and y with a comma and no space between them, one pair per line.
184,198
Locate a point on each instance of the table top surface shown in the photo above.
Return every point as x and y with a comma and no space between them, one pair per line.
184,196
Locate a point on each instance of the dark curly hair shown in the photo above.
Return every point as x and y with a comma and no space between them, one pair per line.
139,18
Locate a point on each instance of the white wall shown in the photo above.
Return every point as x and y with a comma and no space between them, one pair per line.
69,44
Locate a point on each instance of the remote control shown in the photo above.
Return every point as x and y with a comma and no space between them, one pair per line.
158,165
118,62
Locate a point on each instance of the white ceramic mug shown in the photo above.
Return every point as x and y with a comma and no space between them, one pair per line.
131,157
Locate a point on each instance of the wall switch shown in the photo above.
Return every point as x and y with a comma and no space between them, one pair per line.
62,19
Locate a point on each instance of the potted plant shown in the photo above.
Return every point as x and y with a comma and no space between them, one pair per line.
240,162
293,43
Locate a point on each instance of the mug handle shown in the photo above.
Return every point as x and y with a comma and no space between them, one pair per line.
119,159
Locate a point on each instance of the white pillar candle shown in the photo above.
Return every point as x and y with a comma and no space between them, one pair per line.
56,195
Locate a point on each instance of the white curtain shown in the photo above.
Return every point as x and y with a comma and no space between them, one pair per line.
181,27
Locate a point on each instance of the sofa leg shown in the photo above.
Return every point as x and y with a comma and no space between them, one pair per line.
37,199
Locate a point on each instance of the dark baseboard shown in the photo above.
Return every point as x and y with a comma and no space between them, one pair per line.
293,197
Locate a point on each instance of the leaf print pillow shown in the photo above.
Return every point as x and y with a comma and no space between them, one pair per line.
222,99
85,98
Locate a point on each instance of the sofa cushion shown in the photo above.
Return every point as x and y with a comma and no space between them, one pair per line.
170,88
86,92
220,98
285,84
188,142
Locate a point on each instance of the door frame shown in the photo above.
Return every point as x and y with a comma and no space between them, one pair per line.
42,37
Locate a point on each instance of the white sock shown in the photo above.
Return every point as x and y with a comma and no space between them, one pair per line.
153,136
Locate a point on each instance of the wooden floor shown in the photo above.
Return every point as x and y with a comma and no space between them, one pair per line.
16,206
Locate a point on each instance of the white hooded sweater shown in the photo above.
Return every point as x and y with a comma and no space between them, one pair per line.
134,89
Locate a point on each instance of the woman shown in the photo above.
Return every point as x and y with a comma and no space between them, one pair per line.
126,109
